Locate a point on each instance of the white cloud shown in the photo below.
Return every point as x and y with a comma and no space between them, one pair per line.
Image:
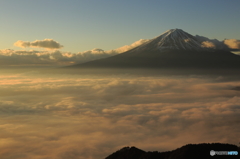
232,43
46,43
55,57
129,47
208,44
227,44
211,43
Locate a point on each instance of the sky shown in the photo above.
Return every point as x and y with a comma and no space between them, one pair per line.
82,25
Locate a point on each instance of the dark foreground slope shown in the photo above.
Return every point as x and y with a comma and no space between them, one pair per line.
191,151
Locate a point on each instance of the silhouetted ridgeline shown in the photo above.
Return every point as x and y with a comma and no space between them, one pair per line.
190,151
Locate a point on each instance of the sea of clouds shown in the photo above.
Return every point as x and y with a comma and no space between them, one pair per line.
88,117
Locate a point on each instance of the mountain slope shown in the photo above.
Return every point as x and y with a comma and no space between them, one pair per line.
190,151
172,49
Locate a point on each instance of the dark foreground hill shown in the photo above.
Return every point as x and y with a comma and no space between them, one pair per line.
191,151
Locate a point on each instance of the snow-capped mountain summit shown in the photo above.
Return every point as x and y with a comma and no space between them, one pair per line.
173,39
178,39
174,48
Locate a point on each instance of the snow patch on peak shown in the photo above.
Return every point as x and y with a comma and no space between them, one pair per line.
177,39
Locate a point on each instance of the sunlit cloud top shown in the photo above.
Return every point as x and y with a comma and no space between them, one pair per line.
46,43
232,43
54,57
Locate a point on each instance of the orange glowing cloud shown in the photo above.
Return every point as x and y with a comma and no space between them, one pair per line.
46,43
232,43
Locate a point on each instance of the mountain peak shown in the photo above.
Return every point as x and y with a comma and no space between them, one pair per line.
173,30
177,39
174,48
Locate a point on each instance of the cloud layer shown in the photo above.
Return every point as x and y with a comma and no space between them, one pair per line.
46,43
227,44
56,57
52,58
89,117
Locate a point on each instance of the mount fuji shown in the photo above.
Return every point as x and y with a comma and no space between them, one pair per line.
174,48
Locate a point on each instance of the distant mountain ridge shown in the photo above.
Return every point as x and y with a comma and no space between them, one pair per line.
174,48
190,151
